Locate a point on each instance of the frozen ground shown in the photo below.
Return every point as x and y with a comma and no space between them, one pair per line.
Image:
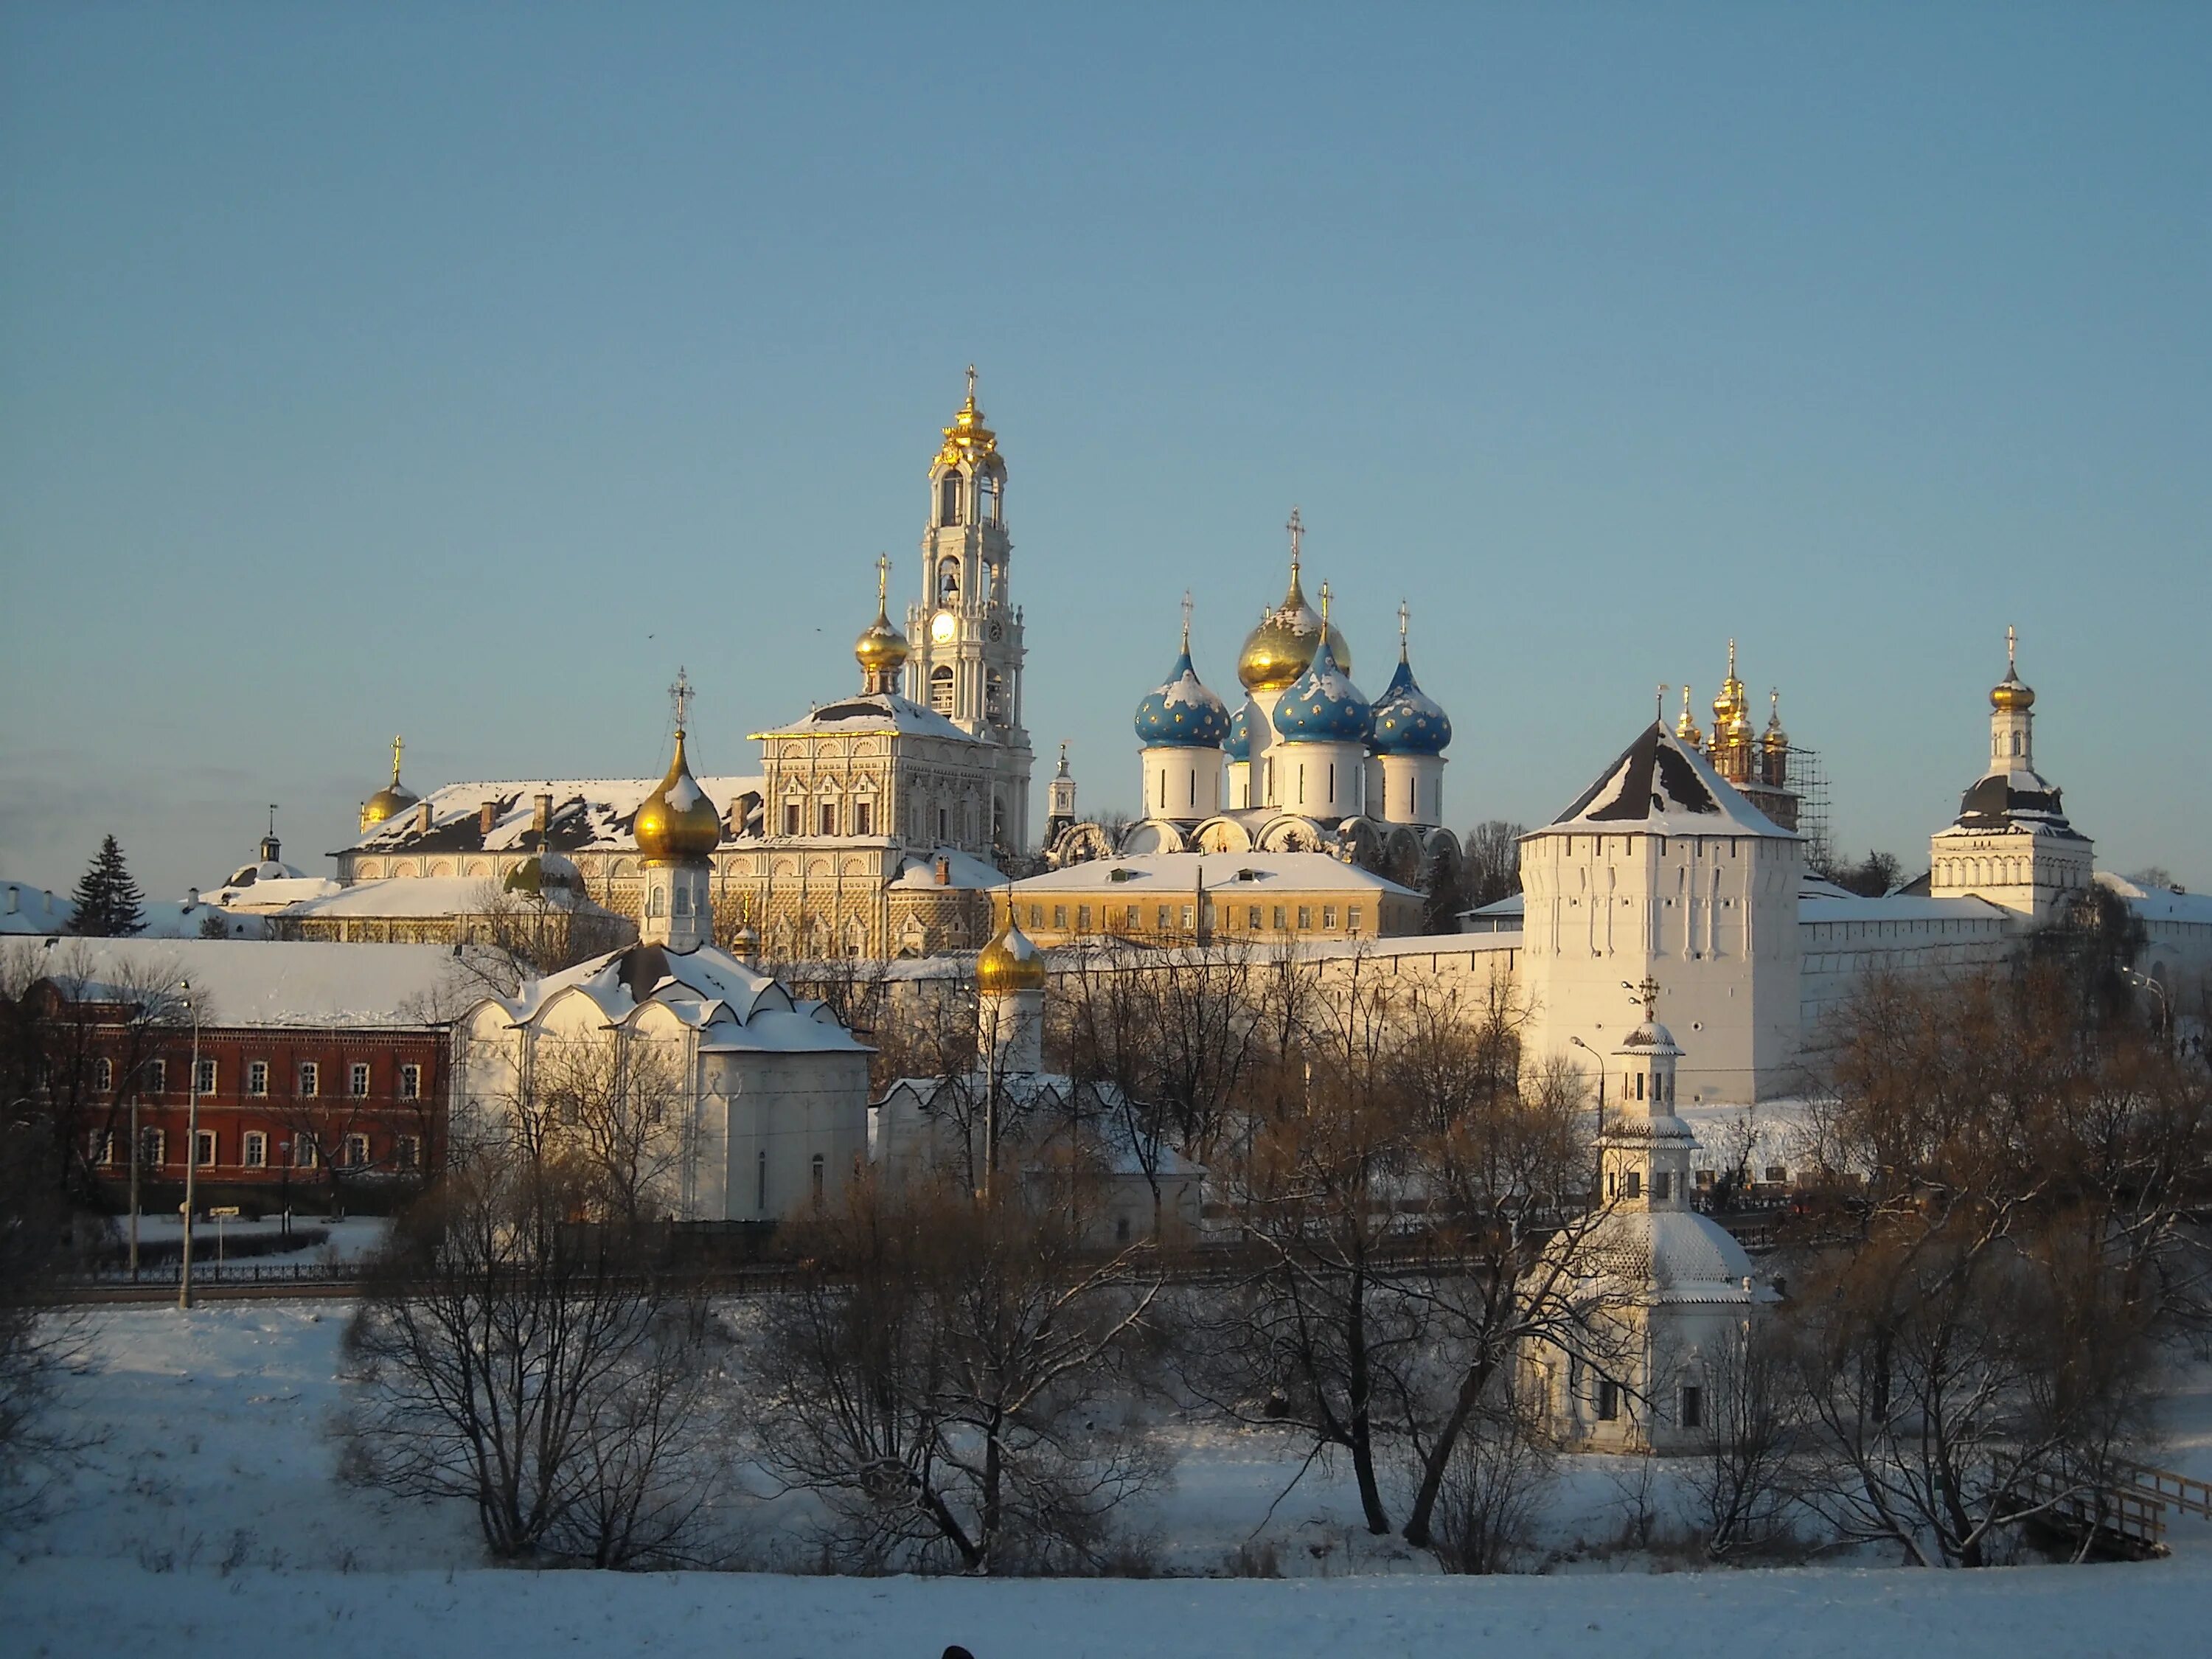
211,1524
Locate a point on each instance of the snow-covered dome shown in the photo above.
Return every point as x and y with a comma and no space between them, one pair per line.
1676,1255
266,870
677,820
1407,720
1239,744
1182,711
1324,706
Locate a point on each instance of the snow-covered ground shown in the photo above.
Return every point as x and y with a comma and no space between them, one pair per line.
211,1522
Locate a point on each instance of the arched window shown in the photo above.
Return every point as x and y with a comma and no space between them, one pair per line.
994,696
992,488
948,499
940,688
948,581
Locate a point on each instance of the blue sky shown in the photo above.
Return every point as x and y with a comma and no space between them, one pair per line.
458,371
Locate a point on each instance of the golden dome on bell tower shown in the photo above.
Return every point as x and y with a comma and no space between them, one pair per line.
1728,706
1685,729
2009,695
968,442
1288,639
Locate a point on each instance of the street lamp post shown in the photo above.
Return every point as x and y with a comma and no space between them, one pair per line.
1598,1060
2165,1008
191,1152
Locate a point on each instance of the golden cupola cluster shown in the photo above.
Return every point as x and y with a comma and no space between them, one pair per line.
677,821
2009,695
968,442
1010,963
1283,647
881,650
1775,740
393,798
1731,713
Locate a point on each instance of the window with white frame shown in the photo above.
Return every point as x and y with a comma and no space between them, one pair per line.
157,1076
204,1077
100,1146
303,1153
203,1148
103,1074
410,1083
153,1148
311,1079
358,1079
356,1151
257,1077
254,1154
407,1152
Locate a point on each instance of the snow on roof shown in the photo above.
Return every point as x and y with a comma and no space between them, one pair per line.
269,983
875,711
2015,799
1229,873
27,909
270,893
589,814
420,897
194,919
2160,903
736,1009
961,871
1661,786
1899,907
1047,1094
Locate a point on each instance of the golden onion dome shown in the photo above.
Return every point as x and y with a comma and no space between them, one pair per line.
1010,962
1774,737
677,820
1685,729
1283,645
882,650
393,798
2008,695
1728,706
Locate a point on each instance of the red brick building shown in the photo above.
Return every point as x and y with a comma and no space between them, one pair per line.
323,1070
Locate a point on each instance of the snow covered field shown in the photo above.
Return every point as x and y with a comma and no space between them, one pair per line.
211,1524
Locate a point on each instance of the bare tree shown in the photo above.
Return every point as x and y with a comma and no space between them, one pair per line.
39,1340
554,1378
611,1109
1493,1491
1491,869
948,1376
1745,1482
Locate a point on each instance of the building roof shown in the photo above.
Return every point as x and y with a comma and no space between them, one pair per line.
735,1009
247,982
962,869
2014,799
2160,904
1227,873
1670,1256
424,896
877,712
27,909
589,814
1661,786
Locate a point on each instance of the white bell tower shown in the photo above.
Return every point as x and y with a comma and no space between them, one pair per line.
966,630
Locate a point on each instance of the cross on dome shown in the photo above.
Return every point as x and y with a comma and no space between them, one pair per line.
679,696
883,580
1186,619
397,745
1297,526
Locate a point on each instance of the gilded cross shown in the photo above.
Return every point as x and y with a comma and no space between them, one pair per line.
1405,615
971,385
1324,602
883,581
2012,649
679,695
272,817
1297,526
1186,619
398,744
1647,993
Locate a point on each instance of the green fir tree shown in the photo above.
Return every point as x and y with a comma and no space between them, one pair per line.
106,901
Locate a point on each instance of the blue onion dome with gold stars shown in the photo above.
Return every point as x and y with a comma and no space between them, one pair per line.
1182,713
1324,706
1407,720
1238,745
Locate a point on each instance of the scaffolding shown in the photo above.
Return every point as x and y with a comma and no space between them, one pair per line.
1809,780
